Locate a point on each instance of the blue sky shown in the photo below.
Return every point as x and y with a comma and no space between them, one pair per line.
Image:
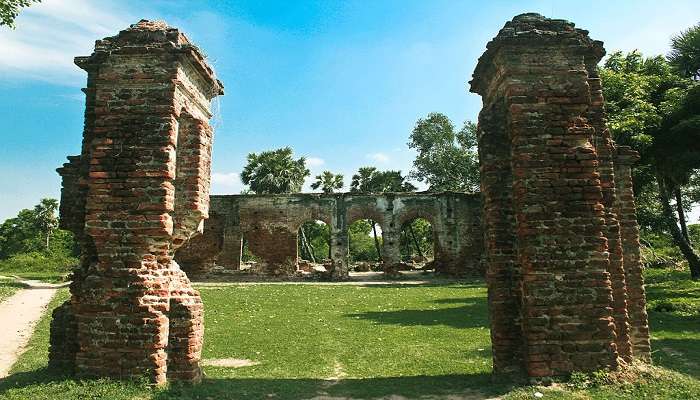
341,82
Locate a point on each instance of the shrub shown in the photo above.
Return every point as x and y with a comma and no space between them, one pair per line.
38,262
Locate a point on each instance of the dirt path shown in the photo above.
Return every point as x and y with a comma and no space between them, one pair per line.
18,317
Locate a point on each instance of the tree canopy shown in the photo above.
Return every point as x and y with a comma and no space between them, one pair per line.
446,159
10,9
275,171
685,52
654,109
328,182
31,231
371,180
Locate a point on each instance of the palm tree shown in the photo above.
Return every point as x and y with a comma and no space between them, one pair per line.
275,171
328,182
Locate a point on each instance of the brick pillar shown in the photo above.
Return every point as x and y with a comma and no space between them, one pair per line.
503,273
629,231
145,168
340,242
547,195
391,251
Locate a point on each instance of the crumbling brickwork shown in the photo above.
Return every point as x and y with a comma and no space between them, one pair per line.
270,224
562,244
137,192
554,225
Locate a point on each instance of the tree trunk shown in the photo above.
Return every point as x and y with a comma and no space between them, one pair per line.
329,246
670,218
415,241
306,246
681,213
376,240
48,235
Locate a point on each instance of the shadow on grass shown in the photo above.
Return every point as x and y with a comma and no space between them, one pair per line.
478,386
675,341
475,386
682,355
39,376
472,314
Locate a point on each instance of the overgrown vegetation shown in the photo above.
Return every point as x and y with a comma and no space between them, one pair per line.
32,246
653,106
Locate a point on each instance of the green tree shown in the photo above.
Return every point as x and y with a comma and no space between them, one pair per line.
685,52
328,182
655,110
275,171
445,159
371,180
46,219
417,234
317,243
362,246
9,10
35,230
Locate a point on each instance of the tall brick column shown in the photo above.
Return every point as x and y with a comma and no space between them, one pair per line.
138,191
558,293
629,231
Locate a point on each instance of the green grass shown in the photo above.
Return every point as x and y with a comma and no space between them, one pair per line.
414,341
674,319
7,288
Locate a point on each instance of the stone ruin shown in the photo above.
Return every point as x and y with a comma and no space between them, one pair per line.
555,230
562,241
271,224
137,192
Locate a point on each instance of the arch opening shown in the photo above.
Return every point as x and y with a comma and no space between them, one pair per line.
365,242
314,246
417,245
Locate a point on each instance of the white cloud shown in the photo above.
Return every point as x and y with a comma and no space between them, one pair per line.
226,183
315,162
51,33
378,157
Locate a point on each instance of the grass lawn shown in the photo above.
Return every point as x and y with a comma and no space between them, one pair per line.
367,342
674,316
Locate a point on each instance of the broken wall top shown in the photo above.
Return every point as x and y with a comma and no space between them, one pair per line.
531,32
147,38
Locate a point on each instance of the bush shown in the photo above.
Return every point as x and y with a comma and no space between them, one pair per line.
38,262
681,306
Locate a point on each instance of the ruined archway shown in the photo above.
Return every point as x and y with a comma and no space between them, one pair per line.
560,242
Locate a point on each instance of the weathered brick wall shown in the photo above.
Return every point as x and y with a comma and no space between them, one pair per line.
270,224
557,260
138,191
555,225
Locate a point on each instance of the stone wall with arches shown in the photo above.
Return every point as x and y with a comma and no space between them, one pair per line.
270,224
